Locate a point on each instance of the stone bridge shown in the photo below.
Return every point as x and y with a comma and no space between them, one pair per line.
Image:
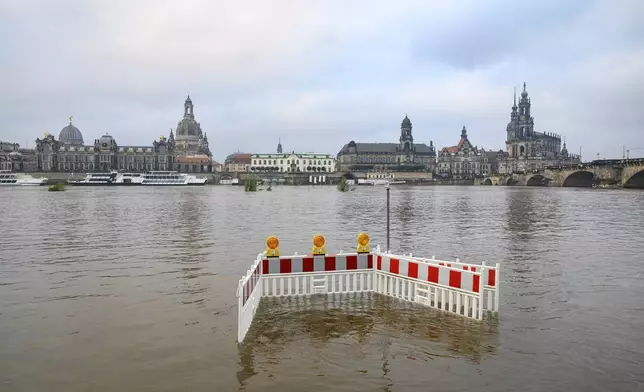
612,173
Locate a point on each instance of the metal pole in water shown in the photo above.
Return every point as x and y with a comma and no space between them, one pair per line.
387,249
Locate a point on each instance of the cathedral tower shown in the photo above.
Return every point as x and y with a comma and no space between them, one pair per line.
406,138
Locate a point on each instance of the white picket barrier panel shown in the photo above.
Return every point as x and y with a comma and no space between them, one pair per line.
469,290
249,294
441,294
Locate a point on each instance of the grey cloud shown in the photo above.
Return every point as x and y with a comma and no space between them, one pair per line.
318,74
487,32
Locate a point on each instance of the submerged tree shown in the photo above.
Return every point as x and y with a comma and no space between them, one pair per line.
343,186
250,184
59,187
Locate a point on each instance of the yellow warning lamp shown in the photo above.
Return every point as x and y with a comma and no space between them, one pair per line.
363,243
272,245
318,245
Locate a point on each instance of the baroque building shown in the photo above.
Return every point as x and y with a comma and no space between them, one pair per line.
462,161
191,141
402,156
189,152
527,149
466,161
17,159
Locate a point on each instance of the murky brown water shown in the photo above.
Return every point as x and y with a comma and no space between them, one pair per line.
121,289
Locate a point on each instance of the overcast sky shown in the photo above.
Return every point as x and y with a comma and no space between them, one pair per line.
321,73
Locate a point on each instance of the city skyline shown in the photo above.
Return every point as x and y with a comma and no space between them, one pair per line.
307,73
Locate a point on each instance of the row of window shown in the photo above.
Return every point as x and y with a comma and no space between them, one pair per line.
107,158
257,162
308,169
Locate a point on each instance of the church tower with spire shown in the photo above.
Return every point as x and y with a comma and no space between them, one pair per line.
526,148
279,145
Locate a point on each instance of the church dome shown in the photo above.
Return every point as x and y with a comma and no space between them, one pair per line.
406,122
71,135
188,127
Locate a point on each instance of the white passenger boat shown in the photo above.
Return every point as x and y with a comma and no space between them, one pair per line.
8,178
171,178
152,178
93,179
129,179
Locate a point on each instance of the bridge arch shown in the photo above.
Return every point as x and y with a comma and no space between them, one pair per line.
511,182
487,181
581,178
636,181
537,180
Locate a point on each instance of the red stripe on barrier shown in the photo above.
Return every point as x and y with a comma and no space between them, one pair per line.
380,262
307,264
412,270
285,266
329,263
394,266
432,274
455,279
476,283
491,278
265,266
370,261
352,262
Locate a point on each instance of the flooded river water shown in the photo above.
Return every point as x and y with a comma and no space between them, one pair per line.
133,289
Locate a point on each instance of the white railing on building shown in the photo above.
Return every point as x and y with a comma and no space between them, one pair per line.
469,290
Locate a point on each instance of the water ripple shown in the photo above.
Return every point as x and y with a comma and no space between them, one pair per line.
132,288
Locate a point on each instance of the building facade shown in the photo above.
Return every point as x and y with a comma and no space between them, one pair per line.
462,161
16,159
69,153
382,157
527,149
294,162
465,161
238,162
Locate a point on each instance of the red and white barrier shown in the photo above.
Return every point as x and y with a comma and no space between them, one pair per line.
465,289
326,263
249,294
470,290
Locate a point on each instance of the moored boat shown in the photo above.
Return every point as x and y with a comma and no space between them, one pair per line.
171,178
9,178
95,179
115,178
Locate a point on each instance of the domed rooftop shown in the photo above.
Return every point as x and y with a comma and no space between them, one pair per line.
188,127
106,140
406,122
71,135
